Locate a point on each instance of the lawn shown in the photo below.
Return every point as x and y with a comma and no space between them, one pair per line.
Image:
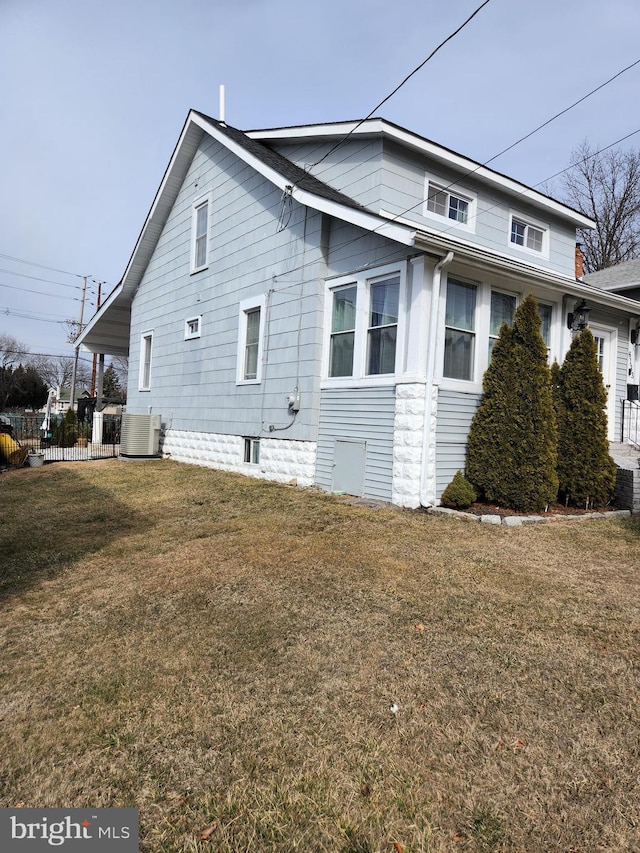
261,668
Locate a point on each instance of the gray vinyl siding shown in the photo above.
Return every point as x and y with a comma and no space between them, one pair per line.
353,168
193,382
403,190
358,413
455,413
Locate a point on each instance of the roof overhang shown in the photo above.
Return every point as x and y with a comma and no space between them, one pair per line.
104,333
479,258
377,127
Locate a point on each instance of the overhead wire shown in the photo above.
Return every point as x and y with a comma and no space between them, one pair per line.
400,85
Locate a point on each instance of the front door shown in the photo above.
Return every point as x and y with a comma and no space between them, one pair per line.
605,346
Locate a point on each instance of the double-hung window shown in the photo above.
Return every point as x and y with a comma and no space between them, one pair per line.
146,349
503,309
363,335
200,233
343,331
460,330
250,331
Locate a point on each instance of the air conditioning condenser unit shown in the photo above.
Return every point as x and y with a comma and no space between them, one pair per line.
140,436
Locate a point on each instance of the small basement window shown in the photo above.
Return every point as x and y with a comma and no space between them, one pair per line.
252,451
192,328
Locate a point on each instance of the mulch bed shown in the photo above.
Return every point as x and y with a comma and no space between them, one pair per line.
554,509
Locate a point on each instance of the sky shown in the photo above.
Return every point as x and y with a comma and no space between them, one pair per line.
94,94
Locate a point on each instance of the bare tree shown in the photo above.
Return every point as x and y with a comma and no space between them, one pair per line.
12,351
120,364
57,370
606,187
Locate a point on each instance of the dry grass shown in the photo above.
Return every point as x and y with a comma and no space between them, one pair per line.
223,654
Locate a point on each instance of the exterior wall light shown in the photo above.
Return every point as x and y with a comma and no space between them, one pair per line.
635,335
578,319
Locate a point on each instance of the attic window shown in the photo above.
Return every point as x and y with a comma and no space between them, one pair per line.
447,204
528,235
192,328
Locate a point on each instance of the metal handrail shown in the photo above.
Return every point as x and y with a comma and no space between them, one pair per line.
630,428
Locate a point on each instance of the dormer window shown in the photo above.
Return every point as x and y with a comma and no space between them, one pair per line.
447,203
528,235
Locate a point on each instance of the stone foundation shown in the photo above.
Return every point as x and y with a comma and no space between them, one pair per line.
281,460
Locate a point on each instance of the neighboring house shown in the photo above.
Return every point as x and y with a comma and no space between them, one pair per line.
332,322
62,397
624,279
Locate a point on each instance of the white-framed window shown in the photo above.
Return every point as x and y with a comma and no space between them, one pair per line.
251,450
546,316
460,331
146,353
529,235
365,324
250,333
192,327
449,204
200,215
503,309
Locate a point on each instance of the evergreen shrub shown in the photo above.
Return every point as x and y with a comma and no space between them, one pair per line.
586,471
459,494
512,445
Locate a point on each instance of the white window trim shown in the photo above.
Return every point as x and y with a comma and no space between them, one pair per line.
189,335
144,337
362,279
245,306
459,192
251,443
525,219
198,203
483,327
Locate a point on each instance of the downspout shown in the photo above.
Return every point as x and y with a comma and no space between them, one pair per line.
427,498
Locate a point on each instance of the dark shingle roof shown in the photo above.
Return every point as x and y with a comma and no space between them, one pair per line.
294,174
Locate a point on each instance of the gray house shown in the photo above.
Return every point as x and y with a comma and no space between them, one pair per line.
319,303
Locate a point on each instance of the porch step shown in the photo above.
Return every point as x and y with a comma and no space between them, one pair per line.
627,491
625,455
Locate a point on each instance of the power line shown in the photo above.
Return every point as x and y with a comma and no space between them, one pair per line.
24,316
38,292
562,112
42,266
400,85
37,278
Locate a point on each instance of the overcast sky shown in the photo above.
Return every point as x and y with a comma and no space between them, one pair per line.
94,93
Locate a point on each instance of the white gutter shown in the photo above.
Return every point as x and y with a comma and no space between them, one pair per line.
427,496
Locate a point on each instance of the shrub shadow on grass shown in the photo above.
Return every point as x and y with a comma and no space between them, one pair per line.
39,538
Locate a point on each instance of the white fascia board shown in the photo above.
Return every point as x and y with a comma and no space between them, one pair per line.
432,150
476,256
361,218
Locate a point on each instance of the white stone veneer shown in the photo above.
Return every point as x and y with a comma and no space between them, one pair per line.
407,444
281,460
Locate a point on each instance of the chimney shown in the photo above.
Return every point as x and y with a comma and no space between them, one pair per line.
579,262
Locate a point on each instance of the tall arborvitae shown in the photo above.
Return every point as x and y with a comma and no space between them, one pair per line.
512,446
586,471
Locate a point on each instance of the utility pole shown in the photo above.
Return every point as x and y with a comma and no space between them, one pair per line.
75,361
95,356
